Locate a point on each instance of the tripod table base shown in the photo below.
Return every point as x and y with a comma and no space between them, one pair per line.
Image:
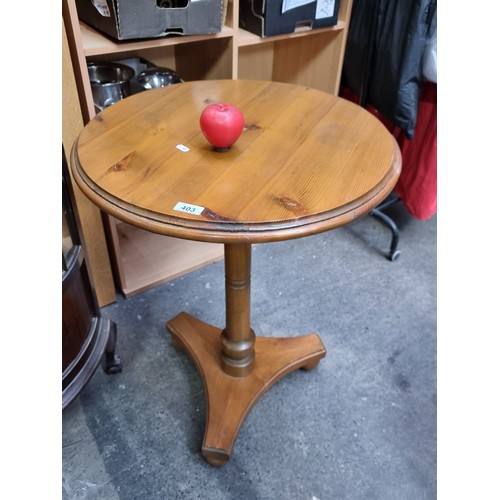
229,399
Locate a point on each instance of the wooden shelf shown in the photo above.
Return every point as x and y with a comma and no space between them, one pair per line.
312,57
152,259
95,43
245,38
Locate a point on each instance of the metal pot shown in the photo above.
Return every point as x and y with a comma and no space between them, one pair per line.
154,78
110,82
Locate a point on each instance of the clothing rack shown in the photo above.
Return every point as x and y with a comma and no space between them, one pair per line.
385,48
378,212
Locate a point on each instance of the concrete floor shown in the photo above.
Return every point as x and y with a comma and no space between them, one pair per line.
360,426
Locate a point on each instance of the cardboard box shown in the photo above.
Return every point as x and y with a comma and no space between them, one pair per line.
136,19
276,17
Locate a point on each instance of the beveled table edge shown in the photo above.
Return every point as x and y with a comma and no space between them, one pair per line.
214,231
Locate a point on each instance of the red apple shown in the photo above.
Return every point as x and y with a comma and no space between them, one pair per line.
222,125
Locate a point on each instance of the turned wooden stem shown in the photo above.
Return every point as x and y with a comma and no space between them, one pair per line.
238,338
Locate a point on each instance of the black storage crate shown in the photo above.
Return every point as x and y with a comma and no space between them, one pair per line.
276,17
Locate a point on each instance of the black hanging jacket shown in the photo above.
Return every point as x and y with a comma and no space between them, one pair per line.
384,56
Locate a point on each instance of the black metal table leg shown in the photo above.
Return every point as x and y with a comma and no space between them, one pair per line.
393,253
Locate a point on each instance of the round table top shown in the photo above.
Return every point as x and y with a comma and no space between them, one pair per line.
306,162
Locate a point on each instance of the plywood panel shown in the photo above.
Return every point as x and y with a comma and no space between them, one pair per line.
151,259
90,216
309,61
210,60
256,62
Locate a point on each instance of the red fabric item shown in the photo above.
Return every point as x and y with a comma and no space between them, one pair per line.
417,184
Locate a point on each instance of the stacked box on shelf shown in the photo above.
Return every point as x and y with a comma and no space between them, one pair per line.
137,19
276,17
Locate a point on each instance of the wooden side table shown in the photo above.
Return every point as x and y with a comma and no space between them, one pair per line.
306,162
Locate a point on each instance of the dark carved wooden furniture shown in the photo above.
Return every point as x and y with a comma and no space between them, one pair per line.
86,336
306,162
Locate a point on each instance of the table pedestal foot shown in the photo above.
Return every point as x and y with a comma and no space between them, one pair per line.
229,399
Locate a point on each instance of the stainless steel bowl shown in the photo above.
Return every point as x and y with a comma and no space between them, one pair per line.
154,78
110,82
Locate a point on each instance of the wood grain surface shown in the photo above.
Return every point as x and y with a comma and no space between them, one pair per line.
307,161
